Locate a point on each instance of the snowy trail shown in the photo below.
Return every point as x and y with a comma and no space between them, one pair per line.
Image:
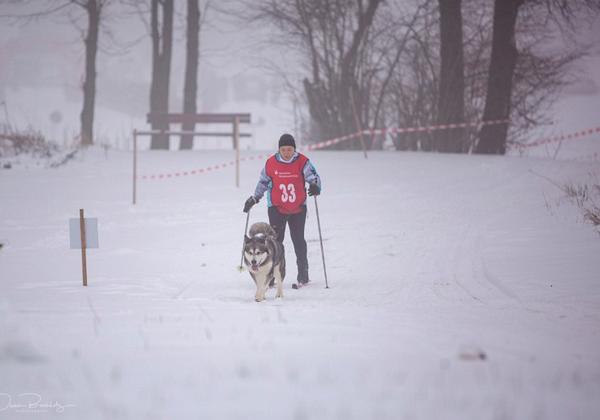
432,260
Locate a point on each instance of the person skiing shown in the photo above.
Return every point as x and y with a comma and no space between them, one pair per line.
284,179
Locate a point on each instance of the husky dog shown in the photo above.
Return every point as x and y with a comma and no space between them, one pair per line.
265,258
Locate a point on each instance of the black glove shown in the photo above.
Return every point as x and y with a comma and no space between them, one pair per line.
249,203
313,189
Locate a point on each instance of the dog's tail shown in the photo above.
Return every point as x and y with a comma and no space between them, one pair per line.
262,229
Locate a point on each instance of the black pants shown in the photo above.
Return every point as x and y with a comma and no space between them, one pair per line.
296,221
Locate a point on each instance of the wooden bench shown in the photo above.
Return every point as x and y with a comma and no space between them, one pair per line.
164,121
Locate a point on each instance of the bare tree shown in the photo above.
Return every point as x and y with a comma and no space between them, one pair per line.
451,99
384,48
190,87
94,10
331,35
477,41
425,63
522,82
502,66
162,41
413,93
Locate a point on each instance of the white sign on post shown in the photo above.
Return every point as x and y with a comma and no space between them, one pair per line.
91,233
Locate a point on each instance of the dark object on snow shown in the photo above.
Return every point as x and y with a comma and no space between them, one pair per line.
64,159
7,165
472,355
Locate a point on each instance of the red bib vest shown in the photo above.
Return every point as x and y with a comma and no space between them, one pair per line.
287,192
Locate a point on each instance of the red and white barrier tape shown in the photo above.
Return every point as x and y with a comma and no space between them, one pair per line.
330,142
394,130
213,168
320,145
200,171
399,130
572,136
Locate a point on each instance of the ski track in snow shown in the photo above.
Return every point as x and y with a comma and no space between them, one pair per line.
432,261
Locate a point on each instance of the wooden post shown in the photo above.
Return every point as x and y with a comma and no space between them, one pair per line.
134,165
358,126
83,258
236,141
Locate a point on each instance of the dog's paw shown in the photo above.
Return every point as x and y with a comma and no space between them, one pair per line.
279,295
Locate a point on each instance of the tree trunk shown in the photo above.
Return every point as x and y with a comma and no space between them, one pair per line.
492,138
451,101
191,70
89,85
161,68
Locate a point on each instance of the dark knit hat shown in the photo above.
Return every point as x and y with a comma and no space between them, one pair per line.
287,140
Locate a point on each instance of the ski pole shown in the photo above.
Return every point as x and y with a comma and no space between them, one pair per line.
241,267
321,240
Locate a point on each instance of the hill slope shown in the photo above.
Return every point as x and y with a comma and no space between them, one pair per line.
460,287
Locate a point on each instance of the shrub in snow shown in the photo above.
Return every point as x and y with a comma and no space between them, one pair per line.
30,148
587,198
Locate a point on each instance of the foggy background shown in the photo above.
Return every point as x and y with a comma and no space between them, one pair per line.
42,66
455,284
42,63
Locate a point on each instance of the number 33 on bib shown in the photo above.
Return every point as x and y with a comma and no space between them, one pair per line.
288,193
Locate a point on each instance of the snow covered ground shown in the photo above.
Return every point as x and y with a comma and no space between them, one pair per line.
461,287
